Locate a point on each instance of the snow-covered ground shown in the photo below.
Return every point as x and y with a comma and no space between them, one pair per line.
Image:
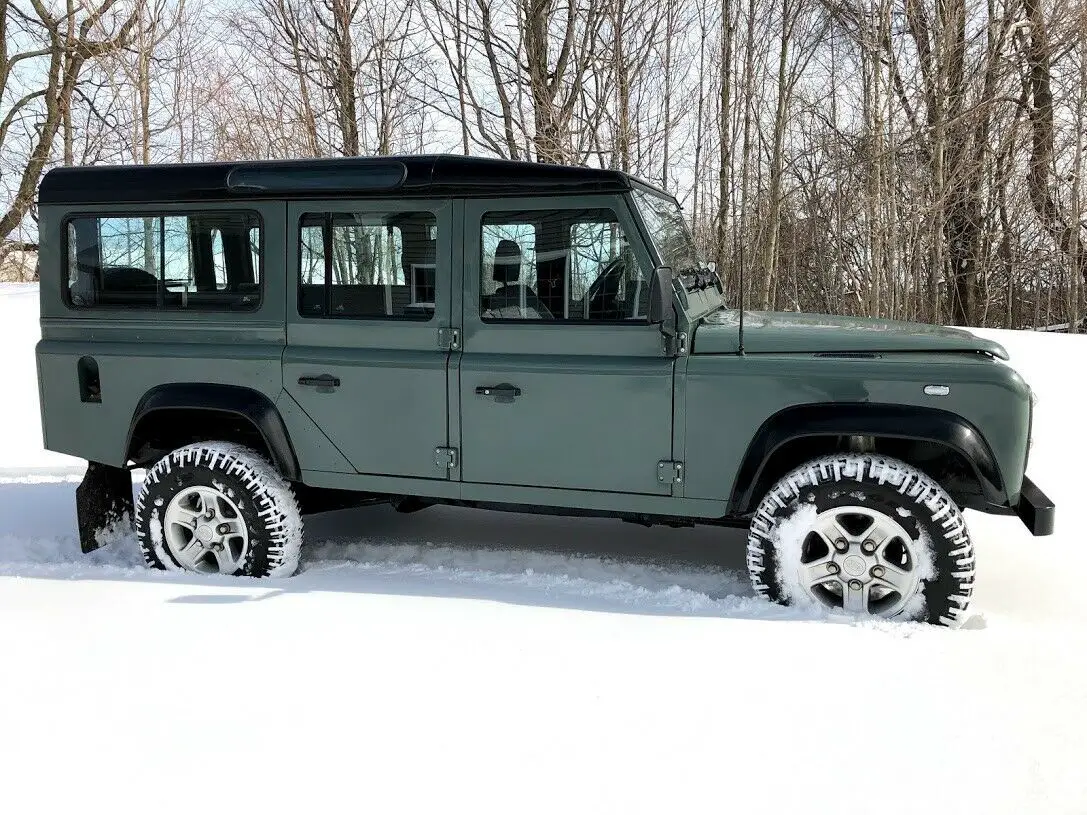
463,661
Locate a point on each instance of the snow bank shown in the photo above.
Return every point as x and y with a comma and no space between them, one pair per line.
20,423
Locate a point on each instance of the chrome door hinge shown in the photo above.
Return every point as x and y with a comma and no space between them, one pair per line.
670,472
445,457
449,339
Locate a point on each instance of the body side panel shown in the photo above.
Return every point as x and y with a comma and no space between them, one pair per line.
315,451
737,394
139,349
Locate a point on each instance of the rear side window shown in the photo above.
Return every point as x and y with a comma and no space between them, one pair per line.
200,261
367,265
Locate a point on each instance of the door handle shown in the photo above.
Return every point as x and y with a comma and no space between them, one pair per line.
324,383
500,393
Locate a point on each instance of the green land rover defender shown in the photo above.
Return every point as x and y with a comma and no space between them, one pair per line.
271,339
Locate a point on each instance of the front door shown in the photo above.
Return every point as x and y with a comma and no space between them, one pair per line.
563,382
363,357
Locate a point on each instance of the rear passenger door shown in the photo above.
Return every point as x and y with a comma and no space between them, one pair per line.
368,293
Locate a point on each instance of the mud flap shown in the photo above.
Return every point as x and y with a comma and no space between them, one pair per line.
102,499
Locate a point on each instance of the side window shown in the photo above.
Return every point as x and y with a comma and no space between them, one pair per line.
204,261
570,264
367,265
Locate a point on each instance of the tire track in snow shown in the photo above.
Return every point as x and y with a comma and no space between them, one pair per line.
455,553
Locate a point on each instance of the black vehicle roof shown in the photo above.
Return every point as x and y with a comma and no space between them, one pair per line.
386,176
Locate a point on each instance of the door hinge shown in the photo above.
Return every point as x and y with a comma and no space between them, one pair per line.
449,339
670,472
445,457
675,345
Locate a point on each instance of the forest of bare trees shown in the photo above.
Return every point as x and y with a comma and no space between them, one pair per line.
916,159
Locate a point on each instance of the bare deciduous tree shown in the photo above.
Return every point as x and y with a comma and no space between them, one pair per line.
917,159
62,43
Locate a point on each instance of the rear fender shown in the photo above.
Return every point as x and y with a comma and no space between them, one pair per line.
249,405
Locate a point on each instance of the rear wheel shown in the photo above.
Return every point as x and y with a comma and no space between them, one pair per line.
863,535
218,508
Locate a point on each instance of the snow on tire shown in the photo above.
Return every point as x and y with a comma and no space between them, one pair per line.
220,508
863,534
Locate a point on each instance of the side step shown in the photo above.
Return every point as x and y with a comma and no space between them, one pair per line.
102,499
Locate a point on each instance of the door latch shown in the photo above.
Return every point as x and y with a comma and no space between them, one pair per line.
500,393
325,383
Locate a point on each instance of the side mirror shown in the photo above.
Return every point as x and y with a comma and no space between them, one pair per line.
660,295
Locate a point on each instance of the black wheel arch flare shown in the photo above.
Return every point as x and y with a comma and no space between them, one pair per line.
248,404
900,422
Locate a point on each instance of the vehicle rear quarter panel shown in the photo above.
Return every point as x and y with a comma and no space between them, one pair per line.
137,349
729,397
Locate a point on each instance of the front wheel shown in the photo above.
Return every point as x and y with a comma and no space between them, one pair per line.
863,535
218,508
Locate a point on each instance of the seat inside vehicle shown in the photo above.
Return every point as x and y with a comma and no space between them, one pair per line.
512,298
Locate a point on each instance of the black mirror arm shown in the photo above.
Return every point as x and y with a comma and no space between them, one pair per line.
660,295
662,312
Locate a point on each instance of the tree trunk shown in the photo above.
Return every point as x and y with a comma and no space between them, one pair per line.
1066,233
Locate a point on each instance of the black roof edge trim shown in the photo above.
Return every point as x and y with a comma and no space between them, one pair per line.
363,177
384,176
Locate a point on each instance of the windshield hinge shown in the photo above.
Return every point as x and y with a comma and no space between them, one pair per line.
670,472
449,339
445,457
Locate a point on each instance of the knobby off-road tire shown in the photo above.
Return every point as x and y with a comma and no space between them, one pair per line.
866,535
219,508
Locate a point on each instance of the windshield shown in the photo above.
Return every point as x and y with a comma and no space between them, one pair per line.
669,232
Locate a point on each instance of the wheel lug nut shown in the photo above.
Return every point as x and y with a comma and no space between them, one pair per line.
222,529
868,546
855,585
877,571
841,545
832,568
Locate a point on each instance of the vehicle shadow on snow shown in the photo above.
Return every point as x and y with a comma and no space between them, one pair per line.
538,560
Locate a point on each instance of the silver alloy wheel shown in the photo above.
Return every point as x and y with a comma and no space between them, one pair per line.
204,531
860,560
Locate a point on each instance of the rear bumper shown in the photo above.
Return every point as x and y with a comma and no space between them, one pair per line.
1035,509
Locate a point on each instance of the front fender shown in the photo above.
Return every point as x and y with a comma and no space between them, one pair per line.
910,423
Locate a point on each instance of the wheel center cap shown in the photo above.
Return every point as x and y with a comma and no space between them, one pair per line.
204,533
854,565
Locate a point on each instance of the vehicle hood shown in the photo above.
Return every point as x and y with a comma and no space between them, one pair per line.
769,332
